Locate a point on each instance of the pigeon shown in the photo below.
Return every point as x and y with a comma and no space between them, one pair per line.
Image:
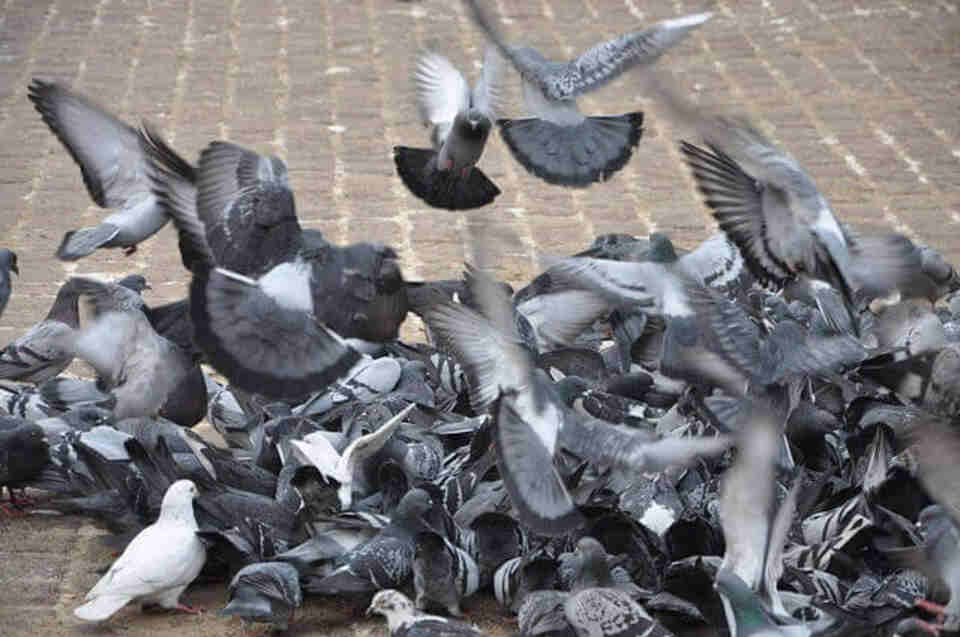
271,304
385,560
559,144
137,366
403,620
532,422
113,162
709,340
754,537
443,574
446,176
771,209
8,264
265,592
38,355
595,608
158,565
318,451
937,451
24,453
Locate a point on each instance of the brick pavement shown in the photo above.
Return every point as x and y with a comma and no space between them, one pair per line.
864,94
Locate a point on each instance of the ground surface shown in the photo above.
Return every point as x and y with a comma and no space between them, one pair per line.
865,95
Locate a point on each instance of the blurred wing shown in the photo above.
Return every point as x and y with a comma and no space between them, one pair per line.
606,61
441,90
106,149
488,93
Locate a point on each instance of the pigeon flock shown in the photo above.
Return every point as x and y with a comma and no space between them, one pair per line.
756,437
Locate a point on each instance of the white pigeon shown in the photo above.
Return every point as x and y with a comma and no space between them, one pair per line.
157,565
320,452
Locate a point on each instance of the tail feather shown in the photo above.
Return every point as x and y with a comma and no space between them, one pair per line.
574,156
442,188
66,393
77,244
101,608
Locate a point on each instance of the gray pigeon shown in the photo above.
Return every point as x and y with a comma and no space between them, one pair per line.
271,304
8,264
443,574
113,162
384,561
768,206
754,535
403,620
446,176
937,451
24,453
39,354
137,366
709,340
559,144
532,422
595,608
158,565
265,592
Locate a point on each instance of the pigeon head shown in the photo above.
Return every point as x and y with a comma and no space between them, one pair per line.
570,387
414,506
8,260
933,519
135,282
473,124
661,248
593,567
178,501
393,605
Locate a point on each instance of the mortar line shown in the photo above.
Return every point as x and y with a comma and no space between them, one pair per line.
871,66
881,199
336,135
412,265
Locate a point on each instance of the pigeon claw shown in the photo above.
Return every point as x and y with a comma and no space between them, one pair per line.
192,610
129,250
932,607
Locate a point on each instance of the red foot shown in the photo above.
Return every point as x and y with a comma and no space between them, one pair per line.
11,511
189,609
465,172
931,607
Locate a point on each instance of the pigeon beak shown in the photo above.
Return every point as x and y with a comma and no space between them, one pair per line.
147,286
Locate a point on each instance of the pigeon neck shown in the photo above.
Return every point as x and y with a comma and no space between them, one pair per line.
65,307
179,512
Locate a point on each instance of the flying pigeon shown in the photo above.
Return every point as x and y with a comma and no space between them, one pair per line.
532,422
138,367
754,535
558,143
446,175
771,209
271,304
158,565
8,264
403,620
318,451
265,592
113,162
39,354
